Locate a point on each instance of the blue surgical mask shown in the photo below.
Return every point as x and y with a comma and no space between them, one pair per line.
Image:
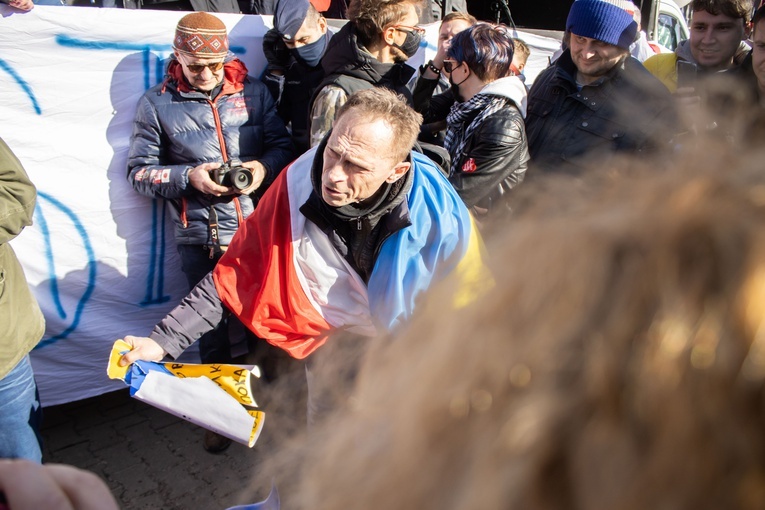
311,53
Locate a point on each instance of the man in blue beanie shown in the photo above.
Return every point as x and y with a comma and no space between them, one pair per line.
293,49
596,100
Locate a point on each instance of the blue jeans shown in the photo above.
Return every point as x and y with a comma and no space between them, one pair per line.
20,414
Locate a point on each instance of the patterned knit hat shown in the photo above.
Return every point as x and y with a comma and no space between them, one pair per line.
200,34
609,21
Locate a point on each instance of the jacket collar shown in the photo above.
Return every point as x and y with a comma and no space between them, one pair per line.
391,197
234,76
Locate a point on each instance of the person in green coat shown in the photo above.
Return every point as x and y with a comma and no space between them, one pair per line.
21,322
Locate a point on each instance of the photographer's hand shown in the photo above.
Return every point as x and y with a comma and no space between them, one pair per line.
258,174
199,178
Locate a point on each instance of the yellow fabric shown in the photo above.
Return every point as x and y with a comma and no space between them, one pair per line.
663,66
473,275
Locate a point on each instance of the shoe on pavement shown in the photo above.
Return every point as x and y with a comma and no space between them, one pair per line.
214,442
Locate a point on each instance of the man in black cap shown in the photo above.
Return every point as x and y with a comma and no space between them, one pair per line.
294,48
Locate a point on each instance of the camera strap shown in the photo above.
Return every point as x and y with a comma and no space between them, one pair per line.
212,222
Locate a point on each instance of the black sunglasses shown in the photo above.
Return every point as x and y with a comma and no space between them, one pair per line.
198,68
450,65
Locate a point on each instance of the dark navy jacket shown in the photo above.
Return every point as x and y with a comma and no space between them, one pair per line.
627,111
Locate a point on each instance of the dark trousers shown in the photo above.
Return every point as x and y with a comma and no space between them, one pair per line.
229,339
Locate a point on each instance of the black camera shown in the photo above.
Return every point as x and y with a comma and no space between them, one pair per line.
235,175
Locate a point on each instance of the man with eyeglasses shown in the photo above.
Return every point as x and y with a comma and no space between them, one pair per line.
205,113
369,51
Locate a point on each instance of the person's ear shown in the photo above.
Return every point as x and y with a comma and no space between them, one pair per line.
398,172
389,35
747,29
322,22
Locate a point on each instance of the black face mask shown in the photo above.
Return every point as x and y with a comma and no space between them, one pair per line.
411,44
455,88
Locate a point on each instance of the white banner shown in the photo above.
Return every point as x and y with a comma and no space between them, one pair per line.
100,258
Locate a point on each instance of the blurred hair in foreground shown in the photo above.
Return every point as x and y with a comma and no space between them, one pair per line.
618,362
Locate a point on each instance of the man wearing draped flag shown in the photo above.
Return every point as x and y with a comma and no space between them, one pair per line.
348,238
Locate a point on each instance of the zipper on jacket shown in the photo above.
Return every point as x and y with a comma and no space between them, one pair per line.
184,219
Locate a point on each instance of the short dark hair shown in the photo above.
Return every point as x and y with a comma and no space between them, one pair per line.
370,17
487,50
758,16
732,8
381,103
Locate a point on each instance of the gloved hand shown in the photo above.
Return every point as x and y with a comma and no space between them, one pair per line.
276,52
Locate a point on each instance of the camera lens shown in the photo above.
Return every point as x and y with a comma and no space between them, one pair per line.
241,178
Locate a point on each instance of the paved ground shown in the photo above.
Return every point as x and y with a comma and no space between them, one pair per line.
153,460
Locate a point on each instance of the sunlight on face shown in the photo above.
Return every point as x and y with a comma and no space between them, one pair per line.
357,160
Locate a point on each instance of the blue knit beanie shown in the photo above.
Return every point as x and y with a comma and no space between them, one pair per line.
601,20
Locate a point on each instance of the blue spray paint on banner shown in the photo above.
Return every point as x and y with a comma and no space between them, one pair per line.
23,84
156,271
91,265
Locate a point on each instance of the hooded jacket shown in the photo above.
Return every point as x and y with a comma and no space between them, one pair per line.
177,128
348,68
664,65
495,156
20,316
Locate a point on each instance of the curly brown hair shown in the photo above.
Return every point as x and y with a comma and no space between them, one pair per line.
618,361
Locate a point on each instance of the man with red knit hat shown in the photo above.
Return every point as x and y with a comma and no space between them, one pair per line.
206,113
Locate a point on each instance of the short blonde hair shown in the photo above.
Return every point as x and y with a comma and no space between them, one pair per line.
392,108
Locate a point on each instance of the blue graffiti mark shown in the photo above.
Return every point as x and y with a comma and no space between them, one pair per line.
23,84
156,270
157,257
71,42
40,216
428,45
51,267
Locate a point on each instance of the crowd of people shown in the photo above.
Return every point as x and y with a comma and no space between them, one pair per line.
556,293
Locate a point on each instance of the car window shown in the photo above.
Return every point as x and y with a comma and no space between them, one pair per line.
668,31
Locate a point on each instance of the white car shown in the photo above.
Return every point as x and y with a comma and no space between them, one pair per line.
669,26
